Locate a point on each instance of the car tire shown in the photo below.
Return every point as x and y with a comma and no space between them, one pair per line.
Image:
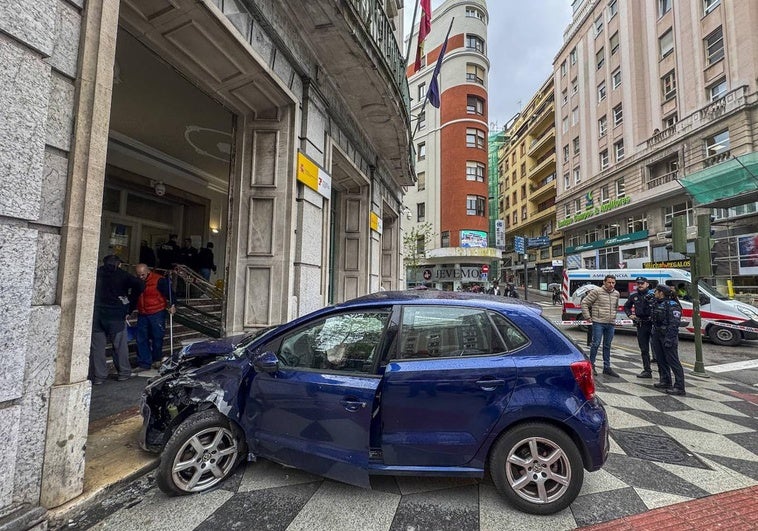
722,335
201,453
537,468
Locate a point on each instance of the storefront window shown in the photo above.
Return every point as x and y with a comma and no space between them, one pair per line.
590,263
608,258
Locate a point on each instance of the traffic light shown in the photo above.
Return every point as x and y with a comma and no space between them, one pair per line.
676,230
703,245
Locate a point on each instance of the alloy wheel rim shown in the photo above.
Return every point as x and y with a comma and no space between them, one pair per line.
204,460
538,470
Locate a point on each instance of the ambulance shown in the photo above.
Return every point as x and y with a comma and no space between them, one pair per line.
738,320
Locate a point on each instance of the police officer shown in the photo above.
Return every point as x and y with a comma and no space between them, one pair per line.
642,301
666,315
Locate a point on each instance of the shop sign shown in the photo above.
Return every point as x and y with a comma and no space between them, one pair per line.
671,264
376,222
609,242
595,210
473,238
312,176
499,234
450,274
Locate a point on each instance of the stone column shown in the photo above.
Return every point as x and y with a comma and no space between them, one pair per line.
63,472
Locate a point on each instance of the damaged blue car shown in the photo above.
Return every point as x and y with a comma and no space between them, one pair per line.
394,383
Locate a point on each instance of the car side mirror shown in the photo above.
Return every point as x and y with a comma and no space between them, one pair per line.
266,362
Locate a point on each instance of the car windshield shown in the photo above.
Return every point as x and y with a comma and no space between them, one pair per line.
252,336
711,291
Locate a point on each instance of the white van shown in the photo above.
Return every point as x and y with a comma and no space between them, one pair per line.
714,307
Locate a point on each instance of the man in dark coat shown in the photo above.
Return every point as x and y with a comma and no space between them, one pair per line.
639,307
116,293
205,261
168,253
146,254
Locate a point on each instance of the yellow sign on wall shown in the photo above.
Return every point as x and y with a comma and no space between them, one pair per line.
312,176
375,222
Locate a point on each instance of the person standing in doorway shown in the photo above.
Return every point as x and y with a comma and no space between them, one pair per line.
639,307
168,253
205,261
666,317
153,303
600,306
188,254
146,254
116,293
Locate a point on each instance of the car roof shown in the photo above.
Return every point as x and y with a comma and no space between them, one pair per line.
411,296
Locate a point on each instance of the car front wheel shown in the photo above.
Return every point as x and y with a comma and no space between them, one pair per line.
722,335
201,453
537,468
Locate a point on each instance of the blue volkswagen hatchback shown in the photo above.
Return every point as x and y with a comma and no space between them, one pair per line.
400,383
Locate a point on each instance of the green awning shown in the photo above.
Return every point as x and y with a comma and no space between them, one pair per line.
727,184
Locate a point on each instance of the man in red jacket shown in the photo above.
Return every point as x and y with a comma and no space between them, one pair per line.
153,302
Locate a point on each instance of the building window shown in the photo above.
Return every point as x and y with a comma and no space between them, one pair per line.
523,192
604,160
717,143
710,5
614,43
600,58
616,78
605,196
565,124
613,8
575,116
445,239
668,85
564,97
666,43
566,181
620,188
565,153
636,223
473,12
618,115
474,105
515,218
475,205
421,91
577,175
575,142
420,212
475,138
618,149
601,91
717,90
670,120
598,25
474,42
574,86
474,73
567,210
714,47
578,206
421,181
564,68
523,212
474,171
421,150
602,126
664,6
573,55
523,169
422,120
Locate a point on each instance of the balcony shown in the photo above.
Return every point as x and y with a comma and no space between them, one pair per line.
542,167
538,145
542,191
659,180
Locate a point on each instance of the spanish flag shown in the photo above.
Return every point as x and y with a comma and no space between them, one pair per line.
424,27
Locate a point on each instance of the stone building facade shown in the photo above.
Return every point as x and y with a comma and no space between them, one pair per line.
321,86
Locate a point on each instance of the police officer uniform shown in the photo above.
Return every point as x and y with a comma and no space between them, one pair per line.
639,306
666,316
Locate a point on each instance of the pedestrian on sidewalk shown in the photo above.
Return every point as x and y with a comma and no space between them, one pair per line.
639,307
600,306
155,300
666,316
116,293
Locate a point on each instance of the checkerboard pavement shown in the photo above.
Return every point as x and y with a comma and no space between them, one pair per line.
669,455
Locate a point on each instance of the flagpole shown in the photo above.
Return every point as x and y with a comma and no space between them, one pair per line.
410,37
426,96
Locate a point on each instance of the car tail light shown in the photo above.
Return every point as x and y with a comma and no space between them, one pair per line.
583,375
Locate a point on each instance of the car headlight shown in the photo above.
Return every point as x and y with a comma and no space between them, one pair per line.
748,312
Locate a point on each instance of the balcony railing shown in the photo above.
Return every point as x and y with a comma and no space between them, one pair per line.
717,158
662,179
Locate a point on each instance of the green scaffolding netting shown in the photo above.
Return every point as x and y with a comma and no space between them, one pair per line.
734,177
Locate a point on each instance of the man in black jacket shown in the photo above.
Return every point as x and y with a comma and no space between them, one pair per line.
639,306
116,293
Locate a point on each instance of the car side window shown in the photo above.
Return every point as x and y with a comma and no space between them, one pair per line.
445,331
512,336
344,342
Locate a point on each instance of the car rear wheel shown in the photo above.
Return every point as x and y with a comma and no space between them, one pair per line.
724,336
537,468
201,453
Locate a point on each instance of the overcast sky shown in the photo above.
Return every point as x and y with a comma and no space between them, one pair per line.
523,37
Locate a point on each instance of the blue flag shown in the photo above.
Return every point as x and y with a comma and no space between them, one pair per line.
433,95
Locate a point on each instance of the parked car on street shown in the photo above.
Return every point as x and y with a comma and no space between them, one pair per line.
415,383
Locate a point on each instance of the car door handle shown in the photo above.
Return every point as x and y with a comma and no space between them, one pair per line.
490,384
353,405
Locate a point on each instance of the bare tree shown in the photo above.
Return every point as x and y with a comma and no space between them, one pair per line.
416,242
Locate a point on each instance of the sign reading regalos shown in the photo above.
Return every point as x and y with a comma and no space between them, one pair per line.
473,238
594,211
311,175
